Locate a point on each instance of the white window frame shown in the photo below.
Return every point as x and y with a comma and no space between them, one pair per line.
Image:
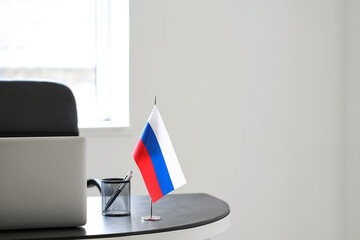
110,111
112,68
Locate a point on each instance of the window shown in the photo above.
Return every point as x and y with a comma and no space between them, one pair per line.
81,43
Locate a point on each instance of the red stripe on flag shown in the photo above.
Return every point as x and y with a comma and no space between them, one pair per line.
143,160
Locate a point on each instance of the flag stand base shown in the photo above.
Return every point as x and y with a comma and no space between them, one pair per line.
151,217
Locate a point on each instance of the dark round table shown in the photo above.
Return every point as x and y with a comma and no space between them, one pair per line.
184,216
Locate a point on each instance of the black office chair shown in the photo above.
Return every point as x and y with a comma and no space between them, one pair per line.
37,109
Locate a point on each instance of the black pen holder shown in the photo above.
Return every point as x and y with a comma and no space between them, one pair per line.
115,197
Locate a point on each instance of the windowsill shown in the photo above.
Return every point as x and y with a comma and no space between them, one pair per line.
104,131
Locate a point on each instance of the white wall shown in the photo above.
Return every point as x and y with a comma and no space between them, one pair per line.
353,121
252,94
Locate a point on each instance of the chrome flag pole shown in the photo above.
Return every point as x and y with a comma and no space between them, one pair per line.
151,217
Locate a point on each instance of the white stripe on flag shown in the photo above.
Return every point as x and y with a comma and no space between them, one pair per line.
172,163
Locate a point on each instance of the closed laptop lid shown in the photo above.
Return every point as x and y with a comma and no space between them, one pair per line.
42,182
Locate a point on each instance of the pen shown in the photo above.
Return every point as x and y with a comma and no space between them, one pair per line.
118,190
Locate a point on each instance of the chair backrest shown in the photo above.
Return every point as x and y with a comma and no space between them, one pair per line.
37,109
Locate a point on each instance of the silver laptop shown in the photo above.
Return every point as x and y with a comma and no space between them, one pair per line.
42,182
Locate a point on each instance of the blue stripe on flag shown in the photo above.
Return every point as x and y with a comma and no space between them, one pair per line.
152,145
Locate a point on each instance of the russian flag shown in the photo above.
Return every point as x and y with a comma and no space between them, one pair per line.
155,156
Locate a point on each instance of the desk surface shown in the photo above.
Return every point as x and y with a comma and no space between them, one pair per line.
178,212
